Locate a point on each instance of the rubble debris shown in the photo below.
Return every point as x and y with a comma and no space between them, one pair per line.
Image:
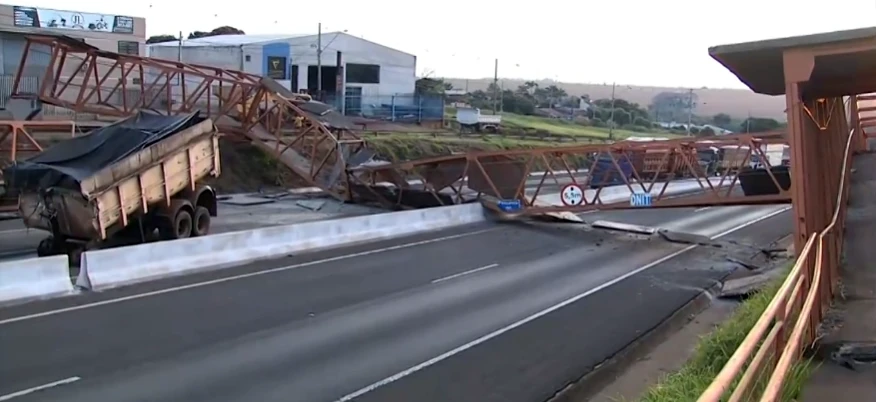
313,205
858,356
624,227
741,288
687,238
245,200
746,264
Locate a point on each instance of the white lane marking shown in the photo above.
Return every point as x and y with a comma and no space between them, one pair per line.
487,337
471,271
237,277
3,232
702,209
39,388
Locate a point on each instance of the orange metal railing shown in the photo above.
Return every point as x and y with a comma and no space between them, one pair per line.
759,368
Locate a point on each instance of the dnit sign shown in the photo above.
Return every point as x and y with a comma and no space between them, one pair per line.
572,195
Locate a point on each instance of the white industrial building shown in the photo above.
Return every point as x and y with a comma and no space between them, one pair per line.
375,76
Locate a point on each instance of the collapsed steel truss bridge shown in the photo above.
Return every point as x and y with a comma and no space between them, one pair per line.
322,147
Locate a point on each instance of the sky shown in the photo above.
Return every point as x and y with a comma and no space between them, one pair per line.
632,42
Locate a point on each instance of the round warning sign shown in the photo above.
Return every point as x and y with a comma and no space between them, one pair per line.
572,195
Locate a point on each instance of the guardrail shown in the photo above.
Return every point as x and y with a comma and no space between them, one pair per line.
815,272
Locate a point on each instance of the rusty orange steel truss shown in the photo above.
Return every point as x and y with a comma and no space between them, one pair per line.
317,143
714,169
87,80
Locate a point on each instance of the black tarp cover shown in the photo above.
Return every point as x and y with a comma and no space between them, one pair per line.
67,163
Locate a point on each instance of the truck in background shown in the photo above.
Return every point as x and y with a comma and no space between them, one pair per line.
471,119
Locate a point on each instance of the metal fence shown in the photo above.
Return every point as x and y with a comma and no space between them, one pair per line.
28,84
399,108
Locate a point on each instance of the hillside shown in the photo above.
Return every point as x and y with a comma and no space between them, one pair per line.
735,102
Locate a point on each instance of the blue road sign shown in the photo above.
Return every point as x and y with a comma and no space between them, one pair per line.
640,200
510,205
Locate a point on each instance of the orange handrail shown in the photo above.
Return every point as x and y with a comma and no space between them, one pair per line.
767,336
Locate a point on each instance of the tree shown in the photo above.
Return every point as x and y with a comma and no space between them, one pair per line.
721,120
161,39
706,132
431,86
758,125
223,30
673,106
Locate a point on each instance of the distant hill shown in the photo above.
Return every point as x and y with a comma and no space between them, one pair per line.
738,103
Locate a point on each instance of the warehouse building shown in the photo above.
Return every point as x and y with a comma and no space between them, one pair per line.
375,80
115,33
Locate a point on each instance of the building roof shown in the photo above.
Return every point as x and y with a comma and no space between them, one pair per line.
239,40
760,64
229,40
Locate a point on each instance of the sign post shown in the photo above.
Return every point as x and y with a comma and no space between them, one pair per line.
641,200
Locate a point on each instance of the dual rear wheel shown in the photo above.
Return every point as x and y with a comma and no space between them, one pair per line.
185,224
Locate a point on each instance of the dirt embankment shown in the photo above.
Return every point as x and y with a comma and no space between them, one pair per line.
248,169
245,168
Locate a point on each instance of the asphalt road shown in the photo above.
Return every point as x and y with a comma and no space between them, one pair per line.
491,312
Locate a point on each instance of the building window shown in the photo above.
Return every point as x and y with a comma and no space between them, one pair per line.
363,73
129,47
248,58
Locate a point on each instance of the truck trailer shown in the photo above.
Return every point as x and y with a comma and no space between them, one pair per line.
121,184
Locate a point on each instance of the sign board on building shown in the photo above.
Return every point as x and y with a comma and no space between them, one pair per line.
276,67
33,17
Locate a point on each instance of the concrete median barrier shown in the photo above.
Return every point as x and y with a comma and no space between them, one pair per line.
103,269
621,193
34,278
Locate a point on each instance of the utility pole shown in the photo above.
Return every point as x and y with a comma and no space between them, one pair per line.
319,61
689,109
748,123
611,116
176,79
496,87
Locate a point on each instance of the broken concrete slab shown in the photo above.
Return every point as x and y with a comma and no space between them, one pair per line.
741,287
313,205
246,200
748,264
624,227
686,238
747,285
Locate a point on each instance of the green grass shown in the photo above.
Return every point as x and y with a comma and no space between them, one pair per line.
563,127
713,352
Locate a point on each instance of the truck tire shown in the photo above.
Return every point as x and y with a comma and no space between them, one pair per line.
180,227
48,247
201,226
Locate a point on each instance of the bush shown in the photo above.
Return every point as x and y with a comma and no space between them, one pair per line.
598,123
641,122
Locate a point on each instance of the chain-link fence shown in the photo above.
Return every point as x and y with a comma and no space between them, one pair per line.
399,108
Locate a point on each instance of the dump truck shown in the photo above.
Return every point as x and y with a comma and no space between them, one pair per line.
471,119
121,184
